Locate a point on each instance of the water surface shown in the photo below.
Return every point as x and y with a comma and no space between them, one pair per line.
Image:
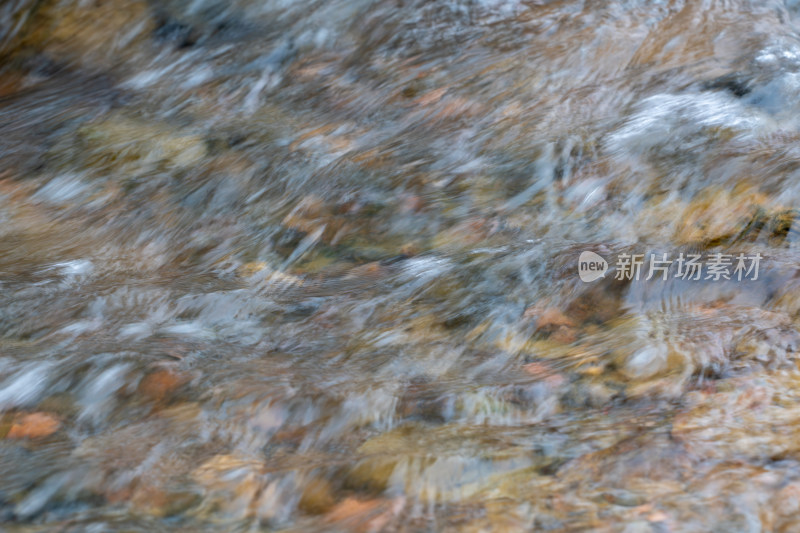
313,266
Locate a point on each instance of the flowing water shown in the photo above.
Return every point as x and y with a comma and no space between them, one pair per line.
301,265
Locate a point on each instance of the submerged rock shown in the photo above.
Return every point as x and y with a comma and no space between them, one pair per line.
33,426
101,35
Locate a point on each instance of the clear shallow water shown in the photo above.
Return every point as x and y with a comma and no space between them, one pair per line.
312,266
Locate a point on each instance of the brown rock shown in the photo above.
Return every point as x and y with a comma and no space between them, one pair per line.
150,500
121,495
548,318
33,426
102,33
553,317
317,497
365,515
10,83
431,97
159,502
719,215
538,369
466,233
351,509
409,249
160,385
371,474
564,335
562,329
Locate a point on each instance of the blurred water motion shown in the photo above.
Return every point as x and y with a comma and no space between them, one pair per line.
313,266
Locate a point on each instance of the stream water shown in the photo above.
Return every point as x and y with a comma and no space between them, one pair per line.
302,265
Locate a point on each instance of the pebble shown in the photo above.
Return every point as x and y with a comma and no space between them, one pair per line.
33,426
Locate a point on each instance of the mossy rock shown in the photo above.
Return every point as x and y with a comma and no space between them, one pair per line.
134,145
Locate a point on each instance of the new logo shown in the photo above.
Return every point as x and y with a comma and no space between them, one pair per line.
591,266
